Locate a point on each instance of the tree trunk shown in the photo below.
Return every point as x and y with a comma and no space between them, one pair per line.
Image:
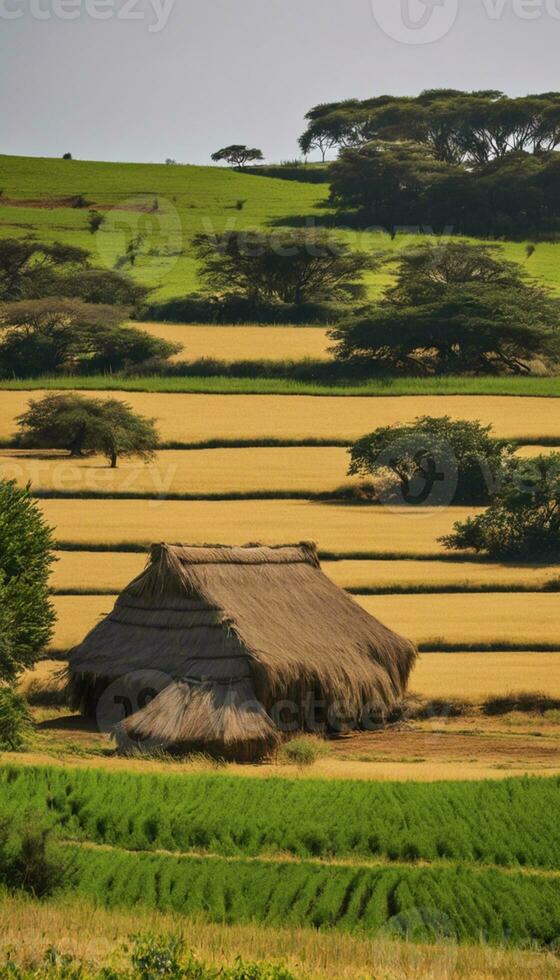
113,460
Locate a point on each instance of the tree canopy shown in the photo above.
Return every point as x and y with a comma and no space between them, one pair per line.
288,265
238,155
454,307
523,519
54,335
404,184
472,128
87,425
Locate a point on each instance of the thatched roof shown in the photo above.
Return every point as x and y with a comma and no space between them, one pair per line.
237,630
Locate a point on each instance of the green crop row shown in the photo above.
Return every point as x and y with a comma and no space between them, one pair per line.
422,903
510,823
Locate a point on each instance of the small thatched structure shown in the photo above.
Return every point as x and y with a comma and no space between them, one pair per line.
250,641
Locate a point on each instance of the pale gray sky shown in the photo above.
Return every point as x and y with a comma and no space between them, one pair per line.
221,71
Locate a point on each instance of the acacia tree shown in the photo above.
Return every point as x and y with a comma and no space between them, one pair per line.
87,425
288,265
237,155
523,519
430,450
455,307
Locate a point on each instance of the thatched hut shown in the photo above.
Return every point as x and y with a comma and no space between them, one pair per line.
251,641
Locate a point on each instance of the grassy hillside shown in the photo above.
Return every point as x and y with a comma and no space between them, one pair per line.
37,200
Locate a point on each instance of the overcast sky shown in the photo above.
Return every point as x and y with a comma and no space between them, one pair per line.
157,78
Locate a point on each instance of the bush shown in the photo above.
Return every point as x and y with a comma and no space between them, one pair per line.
303,751
235,309
523,519
530,702
15,723
30,861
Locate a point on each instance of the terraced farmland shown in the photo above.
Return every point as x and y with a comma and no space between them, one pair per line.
342,528
251,343
203,472
113,570
196,418
461,621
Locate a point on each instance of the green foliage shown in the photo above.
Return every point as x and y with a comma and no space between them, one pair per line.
29,268
15,722
53,334
30,860
286,266
222,814
455,307
303,751
237,155
88,425
523,520
463,455
26,615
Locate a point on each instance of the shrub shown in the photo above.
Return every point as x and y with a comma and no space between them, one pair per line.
15,723
523,519
531,702
30,861
303,751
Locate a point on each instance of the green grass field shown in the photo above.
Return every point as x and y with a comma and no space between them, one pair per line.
190,200
533,387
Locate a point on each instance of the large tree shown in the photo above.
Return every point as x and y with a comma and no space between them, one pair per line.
238,155
455,307
88,425
53,335
288,265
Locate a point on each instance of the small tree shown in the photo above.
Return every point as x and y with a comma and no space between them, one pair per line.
88,425
289,265
458,460
523,520
66,156
95,220
238,155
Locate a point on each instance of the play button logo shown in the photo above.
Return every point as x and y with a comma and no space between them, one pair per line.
415,21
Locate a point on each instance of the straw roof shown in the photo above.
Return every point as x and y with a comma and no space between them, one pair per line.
237,630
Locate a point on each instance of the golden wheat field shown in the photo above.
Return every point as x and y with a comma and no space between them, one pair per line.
339,528
311,470
113,570
251,343
475,676
195,418
472,676
453,619
511,617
